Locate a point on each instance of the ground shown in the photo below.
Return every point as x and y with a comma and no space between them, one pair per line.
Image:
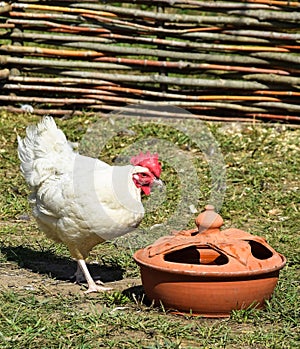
41,307
26,268
56,278
14,279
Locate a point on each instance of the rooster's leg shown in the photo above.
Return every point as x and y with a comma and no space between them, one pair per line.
92,286
79,277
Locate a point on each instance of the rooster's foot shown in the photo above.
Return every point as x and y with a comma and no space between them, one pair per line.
92,285
99,282
97,288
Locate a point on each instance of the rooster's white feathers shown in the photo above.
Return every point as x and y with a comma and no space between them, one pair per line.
77,200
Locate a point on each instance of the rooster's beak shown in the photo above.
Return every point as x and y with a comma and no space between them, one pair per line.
157,182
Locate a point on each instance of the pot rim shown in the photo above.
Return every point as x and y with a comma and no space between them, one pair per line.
172,268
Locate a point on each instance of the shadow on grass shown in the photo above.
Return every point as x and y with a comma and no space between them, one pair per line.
60,268
137,295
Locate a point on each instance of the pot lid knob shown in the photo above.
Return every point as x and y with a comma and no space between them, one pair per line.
209,219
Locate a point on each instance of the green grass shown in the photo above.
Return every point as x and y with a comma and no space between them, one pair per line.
262,197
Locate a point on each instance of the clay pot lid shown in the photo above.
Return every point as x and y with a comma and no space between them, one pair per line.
210,251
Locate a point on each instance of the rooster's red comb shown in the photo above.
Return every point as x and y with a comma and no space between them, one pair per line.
148,160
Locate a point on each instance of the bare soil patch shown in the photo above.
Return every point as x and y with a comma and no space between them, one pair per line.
56,277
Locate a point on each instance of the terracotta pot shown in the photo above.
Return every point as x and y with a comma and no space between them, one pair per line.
208,271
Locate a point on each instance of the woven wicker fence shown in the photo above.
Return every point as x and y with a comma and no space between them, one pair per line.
221,60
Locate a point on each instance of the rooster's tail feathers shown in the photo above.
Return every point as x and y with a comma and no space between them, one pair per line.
43,152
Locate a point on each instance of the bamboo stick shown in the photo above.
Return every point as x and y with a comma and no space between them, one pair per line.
52,37
187,97
7,26
212,57
267,15
52,112
212,36
59,9
274,117
45,15
54,26
59,89
264,34
189,44
148,27
60,80
253,118
287,80
149,113
188,65
182,104
286,106
133,62
278,93
215,4
41,51
199,4
277,2
200,46
54,101
183,18
60,63
291,47
295,58
217,83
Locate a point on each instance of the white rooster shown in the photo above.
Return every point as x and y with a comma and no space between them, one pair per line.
78,200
